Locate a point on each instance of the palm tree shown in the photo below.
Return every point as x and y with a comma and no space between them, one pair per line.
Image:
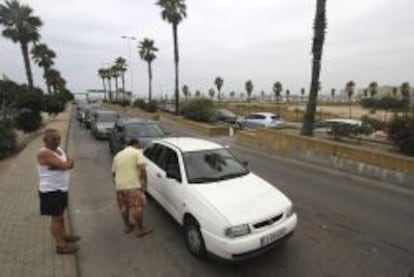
405,92
115,74
20,25
101,73
373,89
349,89
186,92
302,93
317,47
333,91
219,84
249,89
43,57
394,91
121,65
108,76
174,11
287,95
277,90
197,93
211,93
57,82
147,51
232,94
262,95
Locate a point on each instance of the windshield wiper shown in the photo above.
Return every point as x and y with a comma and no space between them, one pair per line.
233,175
203,179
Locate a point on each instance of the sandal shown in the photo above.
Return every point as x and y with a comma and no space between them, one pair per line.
129,229
72,238
144,232
67,249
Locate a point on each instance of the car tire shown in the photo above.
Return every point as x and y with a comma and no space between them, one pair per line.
111,148
193,237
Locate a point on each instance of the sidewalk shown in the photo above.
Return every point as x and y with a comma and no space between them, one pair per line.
26,245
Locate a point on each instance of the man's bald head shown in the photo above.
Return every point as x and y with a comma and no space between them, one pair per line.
51,138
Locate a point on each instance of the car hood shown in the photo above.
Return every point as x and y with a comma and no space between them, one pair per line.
245,199
105,125
144,141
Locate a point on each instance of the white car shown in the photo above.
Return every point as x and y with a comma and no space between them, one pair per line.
260,120
224,209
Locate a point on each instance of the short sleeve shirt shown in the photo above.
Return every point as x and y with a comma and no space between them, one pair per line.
125,167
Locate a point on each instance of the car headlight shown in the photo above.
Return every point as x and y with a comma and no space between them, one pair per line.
289,211
237,231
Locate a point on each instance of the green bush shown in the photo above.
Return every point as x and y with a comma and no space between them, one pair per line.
151,107
52,104
8,142
28,120
30,100
140,103
401,132
375,124
199,109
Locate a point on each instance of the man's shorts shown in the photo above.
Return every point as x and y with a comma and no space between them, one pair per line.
53,203
131,199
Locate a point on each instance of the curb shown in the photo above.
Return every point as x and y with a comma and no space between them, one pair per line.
69,212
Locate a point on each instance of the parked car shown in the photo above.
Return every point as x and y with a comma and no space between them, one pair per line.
102,123
126,128
224,208
326,125
225,116
260,120
89,115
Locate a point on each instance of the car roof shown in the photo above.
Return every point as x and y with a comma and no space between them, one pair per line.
344,120
187,144
132,120
264,114
106,111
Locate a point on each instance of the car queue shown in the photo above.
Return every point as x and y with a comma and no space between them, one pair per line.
195,181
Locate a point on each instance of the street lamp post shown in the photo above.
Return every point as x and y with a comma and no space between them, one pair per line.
129,38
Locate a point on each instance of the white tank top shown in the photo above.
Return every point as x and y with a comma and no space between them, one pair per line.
52,180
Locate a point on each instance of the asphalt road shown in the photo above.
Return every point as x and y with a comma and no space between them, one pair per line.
347,226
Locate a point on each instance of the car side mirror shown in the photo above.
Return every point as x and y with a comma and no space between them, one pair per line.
245,163
173,173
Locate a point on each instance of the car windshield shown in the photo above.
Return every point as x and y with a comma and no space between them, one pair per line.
144,130
211,166
106,117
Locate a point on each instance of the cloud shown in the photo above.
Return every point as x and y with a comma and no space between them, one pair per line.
265,41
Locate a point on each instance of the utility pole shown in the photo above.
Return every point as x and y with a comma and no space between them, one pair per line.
129,38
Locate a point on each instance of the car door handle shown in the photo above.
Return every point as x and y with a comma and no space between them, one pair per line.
159,175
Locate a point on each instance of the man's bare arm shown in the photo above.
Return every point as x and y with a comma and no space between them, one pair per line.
47,158
143,175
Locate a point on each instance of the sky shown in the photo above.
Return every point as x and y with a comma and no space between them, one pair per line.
264,41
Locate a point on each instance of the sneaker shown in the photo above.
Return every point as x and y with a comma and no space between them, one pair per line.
68,249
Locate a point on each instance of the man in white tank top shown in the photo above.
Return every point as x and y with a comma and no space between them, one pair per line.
53,169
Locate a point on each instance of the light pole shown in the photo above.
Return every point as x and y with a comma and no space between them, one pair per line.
129,38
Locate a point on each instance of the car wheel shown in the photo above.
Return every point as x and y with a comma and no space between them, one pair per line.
194,238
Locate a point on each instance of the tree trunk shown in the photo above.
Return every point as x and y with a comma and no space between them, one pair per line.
319,36
104,87
176,60
45,69
149,82
116,88
350,112
123,85
110,90
25,52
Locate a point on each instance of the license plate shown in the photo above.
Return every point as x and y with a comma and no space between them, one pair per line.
272,237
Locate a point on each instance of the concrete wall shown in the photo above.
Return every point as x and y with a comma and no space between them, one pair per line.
369,163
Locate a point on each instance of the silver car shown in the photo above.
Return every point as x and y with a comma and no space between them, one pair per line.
260,120
102,123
